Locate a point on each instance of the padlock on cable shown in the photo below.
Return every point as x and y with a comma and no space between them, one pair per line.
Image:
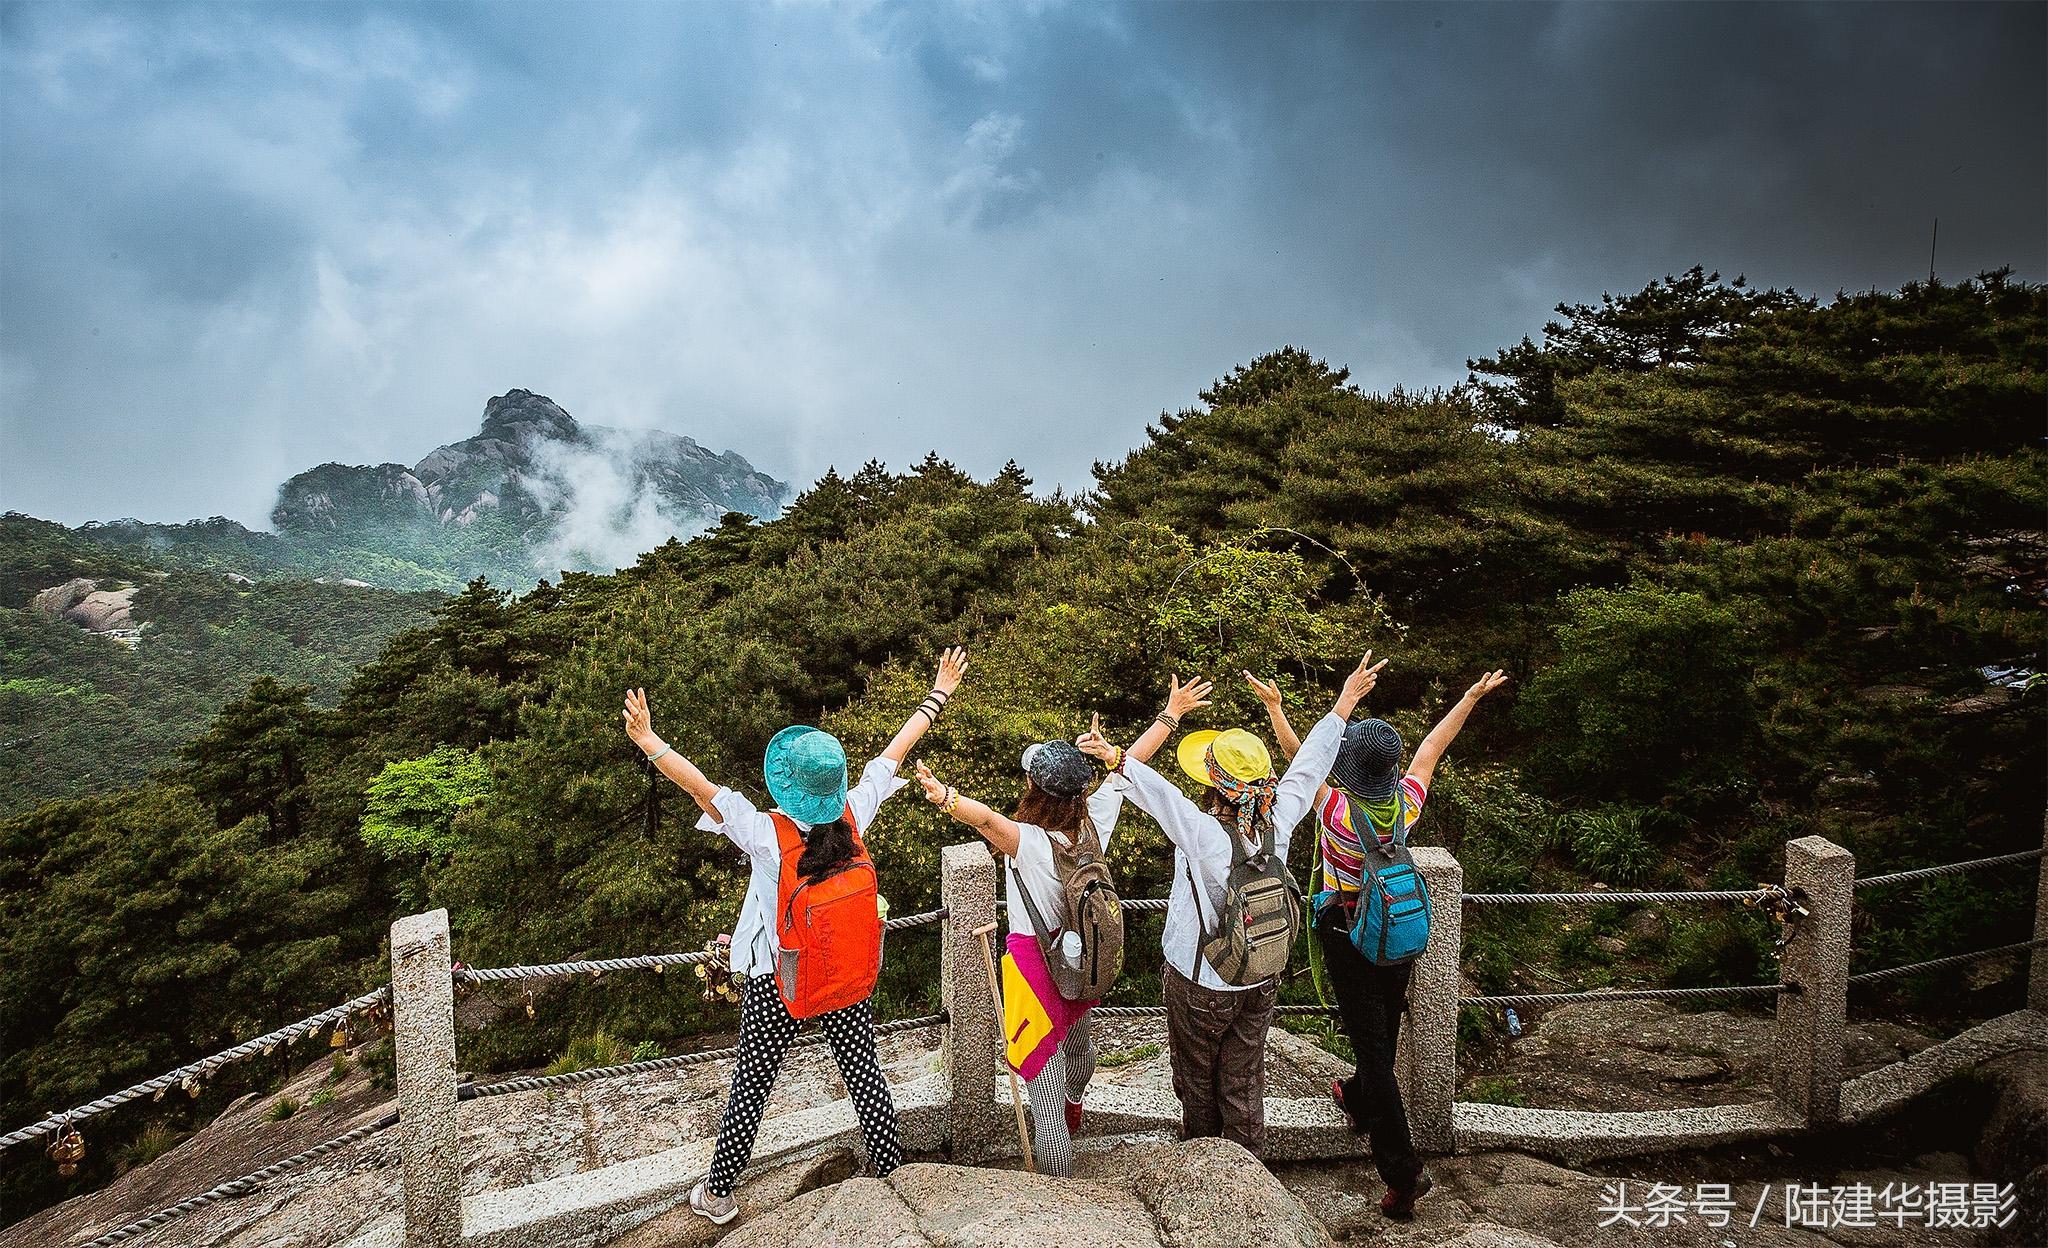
67,1150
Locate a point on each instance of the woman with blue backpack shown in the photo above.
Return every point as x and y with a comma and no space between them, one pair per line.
1234,909
809,937
1371,915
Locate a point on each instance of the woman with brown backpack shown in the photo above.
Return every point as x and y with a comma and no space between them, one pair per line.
809,936
1221,978
1066,921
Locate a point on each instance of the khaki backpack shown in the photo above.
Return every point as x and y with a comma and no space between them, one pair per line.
1089,907
1261,915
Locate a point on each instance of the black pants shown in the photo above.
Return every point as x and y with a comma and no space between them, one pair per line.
1370,1000
766,1029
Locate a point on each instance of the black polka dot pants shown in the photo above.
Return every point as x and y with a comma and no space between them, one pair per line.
766,1030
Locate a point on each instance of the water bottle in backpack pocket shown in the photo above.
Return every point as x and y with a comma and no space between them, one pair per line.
1392,926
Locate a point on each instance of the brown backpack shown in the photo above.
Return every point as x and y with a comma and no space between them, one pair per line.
1089,907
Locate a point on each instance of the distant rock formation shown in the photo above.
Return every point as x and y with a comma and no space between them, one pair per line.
529,459
81,601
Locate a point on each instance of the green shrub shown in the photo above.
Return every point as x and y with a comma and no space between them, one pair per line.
1723,949
322,1097
1649,696
647,1051
152,1142
410,807
1495,1090
599,1048
1124,1057
1612,843
281,1108
338,1068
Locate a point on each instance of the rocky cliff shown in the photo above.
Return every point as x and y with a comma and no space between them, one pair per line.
530,465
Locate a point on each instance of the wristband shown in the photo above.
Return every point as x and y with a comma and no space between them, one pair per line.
658,753
1169,719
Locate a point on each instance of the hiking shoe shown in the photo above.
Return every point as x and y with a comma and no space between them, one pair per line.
719,1209
1073,1118
1400,1204
1337,1095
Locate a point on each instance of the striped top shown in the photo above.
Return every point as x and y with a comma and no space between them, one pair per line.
1343,850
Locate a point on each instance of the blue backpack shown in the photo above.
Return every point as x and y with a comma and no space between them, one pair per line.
1392,926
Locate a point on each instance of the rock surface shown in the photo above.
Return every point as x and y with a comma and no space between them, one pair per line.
1206,1193
1638,1055
81,601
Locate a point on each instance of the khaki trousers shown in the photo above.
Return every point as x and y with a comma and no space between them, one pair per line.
1217,1043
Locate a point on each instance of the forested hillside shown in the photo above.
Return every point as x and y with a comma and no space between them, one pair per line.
1744,554
80,713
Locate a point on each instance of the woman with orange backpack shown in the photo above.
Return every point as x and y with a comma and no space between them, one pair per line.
1066,924
808,941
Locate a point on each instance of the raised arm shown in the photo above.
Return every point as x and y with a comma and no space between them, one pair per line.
1181,700
640,727
1431,751
1312,762
952,666
996,828
1183,822
1283,732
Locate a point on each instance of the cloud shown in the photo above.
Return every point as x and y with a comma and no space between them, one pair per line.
236,242
605,516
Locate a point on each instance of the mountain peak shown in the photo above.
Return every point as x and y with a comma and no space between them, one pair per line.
519,415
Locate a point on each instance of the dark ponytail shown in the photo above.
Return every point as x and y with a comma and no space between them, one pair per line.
827,847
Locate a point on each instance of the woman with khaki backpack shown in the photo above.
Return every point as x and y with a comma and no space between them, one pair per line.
809,936
1234,909
1066,921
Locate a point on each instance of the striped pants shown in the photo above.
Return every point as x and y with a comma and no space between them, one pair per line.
766,1028
1064,1078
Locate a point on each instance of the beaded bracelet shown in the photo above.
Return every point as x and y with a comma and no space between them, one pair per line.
952,800
1117,766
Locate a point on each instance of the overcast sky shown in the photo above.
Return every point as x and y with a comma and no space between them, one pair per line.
239,240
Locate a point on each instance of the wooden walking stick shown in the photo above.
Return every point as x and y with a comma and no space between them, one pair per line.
995,996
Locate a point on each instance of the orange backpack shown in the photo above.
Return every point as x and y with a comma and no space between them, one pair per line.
828,932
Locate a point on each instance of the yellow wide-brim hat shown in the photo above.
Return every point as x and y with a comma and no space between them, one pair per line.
1238,752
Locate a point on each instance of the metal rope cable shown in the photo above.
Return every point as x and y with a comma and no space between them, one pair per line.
203,1066
1871,977
1952,868
1144,903
1509,899
533,1083
1635,994
485,974
244,1185
1159,1011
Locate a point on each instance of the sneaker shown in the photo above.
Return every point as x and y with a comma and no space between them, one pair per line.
1337,1095
720,1209
1073,1118
1400,1205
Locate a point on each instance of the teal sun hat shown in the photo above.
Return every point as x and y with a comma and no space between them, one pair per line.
806,773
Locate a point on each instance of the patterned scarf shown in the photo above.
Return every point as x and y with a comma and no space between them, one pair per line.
1253,798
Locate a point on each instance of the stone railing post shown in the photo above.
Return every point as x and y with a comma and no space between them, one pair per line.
1821,876
2037,972
423,1039
973,1061
1428,1061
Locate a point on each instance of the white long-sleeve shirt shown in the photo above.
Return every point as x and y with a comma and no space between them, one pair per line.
1201,841
1033,859
750,828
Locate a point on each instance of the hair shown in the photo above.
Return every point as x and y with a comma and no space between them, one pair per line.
827,847
1049,810
1218,803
